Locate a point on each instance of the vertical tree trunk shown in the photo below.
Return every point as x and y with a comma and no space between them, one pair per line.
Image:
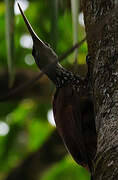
103,49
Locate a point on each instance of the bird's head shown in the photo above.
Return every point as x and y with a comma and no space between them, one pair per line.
42,52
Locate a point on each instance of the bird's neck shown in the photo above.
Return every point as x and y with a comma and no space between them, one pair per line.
61,76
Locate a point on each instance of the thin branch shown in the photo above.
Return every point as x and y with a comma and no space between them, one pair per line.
68,52
39,75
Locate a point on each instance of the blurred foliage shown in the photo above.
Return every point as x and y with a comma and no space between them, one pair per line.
26,119
66,169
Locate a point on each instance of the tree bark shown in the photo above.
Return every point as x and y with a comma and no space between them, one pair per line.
103,49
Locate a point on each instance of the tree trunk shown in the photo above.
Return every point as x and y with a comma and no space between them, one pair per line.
103,49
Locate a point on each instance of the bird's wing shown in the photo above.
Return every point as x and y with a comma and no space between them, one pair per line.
69,123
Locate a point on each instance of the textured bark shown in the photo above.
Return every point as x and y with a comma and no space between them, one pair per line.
103,49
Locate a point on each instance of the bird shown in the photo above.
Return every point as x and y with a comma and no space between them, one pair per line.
73,106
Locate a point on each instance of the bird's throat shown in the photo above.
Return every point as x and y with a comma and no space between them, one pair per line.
61,76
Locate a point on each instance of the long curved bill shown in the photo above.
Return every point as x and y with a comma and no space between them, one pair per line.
30,29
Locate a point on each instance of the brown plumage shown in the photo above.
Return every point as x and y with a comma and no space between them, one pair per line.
74,119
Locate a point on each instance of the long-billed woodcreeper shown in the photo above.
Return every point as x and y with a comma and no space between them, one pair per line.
72,103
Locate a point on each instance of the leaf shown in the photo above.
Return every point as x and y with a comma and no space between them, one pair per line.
54,22
75,11
10,38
